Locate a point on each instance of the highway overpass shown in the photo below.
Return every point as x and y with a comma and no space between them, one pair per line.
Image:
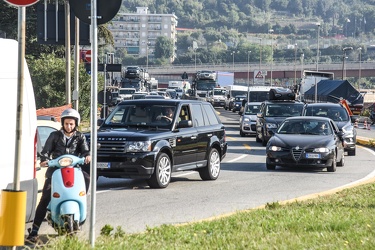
279,71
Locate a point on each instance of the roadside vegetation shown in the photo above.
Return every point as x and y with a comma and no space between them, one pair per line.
345,220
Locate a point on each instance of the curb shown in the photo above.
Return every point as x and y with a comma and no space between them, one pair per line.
364,141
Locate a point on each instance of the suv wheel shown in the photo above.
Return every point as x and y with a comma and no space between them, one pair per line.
162,174
212,170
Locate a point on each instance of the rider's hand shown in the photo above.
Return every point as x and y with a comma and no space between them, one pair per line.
44,164
87,159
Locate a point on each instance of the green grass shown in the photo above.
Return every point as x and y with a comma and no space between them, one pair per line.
345,220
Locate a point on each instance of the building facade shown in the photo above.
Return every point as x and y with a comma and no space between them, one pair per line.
137,32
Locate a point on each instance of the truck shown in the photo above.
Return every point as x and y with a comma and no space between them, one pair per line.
152,85
310,79
126,93
224,78
28,133
136,83
175,84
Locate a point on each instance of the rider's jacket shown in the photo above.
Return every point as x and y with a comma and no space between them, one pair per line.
57,144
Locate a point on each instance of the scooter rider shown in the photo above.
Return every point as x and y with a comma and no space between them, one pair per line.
65,141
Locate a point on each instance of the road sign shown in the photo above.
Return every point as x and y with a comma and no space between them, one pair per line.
21,3
106,10
259,74
88,56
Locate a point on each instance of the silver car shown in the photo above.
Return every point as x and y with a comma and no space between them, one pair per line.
248,118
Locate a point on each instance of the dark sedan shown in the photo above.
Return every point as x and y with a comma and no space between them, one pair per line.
306,142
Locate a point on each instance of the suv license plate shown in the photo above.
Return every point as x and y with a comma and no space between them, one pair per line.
103,165
313,156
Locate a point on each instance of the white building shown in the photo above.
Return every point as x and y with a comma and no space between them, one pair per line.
137,32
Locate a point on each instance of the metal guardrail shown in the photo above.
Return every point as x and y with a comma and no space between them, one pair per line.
244,67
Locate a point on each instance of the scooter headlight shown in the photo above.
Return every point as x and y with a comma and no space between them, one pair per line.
65,161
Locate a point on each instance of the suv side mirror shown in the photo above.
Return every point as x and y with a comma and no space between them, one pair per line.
185,124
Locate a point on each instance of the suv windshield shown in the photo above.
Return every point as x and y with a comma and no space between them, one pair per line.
141,115
283,110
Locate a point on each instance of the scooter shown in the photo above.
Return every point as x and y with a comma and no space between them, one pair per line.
68,207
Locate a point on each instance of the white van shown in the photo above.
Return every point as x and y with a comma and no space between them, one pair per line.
8,97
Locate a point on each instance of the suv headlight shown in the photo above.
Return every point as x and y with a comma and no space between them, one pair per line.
271,125
138,146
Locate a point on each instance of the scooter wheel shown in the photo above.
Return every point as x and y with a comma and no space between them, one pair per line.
69,223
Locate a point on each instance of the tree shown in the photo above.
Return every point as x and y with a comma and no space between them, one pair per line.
48,76
164,48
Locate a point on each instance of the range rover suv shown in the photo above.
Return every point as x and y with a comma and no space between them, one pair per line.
137,140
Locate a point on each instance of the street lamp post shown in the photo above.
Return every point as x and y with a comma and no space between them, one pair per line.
295,64
360,64
271,32
248,75
260,54
147,50
317,47
195,60
233,59
343,61
302,81
233,52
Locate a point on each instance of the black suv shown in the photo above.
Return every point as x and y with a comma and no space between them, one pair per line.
339,114
139,140
133,72
272,114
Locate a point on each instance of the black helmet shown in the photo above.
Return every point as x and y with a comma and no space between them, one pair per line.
70,113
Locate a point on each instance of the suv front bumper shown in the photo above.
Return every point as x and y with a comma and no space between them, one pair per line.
137,165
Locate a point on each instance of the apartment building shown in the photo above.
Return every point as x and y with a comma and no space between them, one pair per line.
137,32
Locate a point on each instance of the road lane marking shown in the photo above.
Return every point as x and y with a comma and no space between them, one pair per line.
247,147
237,159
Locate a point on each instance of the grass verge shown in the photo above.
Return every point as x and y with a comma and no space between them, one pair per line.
345,220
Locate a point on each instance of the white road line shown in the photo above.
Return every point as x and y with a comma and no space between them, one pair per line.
238,158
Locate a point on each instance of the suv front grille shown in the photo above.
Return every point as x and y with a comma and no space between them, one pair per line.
112,147
297,153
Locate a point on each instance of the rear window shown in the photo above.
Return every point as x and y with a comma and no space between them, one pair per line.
283,109
210,113
335,113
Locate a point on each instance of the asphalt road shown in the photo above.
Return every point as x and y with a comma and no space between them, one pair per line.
244,183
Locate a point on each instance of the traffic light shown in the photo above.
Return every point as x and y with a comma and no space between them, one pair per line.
88,68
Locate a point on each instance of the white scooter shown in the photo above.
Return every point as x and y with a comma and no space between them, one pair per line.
68,207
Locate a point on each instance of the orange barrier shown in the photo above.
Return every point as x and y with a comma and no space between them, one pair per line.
346,105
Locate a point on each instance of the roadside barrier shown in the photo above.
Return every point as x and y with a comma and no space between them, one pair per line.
365,124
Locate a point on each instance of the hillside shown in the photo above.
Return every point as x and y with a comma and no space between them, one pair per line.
349,17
